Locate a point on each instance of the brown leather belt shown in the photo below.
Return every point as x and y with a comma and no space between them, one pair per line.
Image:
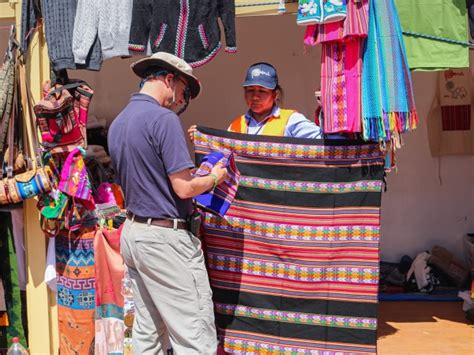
160,222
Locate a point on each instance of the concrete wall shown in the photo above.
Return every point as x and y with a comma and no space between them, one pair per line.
429,200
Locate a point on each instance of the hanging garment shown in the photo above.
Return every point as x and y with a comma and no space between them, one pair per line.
470,9
30,14
18,236
294,264
185,28
9,272
355,25
3,304
447,19
59,26
109,301
451,119
76,291
50,270
341,67
388,105
108,19
320,11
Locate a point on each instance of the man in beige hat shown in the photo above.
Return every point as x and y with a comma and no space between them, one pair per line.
172,296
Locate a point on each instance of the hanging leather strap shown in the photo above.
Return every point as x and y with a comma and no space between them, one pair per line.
31,140
11,133
8,93
69,86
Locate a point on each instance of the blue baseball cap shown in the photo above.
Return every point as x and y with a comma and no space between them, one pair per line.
262,74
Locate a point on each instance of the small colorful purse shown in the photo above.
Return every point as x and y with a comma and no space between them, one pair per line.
65,206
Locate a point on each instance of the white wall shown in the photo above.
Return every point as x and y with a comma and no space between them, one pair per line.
418,210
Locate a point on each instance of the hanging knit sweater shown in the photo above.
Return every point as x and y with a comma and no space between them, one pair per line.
59,25
30,14
188,29
110,19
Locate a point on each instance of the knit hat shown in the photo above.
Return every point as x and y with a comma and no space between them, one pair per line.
172,63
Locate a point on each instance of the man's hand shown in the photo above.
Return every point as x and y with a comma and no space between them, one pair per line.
191,131
220,171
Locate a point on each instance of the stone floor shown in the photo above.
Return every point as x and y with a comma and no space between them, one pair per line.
424,328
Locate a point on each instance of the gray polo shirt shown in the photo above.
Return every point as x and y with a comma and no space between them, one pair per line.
146,144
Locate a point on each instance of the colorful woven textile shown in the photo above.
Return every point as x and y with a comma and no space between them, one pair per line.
9,272
341,67
109,272
388,106
356,24
294,264
220,198
76,290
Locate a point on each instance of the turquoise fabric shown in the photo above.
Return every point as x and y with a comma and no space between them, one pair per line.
388,105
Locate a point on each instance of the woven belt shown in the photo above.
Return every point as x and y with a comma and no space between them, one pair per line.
160,222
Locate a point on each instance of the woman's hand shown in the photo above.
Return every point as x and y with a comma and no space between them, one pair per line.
191,131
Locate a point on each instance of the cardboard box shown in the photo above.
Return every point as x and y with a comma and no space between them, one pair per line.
445,262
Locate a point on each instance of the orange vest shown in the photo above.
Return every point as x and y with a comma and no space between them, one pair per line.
275,126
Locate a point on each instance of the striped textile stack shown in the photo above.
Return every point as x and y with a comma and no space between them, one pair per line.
76,290
294,263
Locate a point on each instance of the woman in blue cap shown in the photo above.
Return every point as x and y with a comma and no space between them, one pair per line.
262,94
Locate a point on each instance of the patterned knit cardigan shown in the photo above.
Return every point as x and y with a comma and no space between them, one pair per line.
188,29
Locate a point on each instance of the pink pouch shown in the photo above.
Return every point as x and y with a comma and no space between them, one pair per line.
75,180
105,193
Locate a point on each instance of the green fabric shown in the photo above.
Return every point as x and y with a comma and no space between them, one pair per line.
9,271
441,18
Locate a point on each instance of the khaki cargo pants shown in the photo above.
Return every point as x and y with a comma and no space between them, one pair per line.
172,295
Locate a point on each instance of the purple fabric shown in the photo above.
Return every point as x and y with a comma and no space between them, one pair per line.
146,144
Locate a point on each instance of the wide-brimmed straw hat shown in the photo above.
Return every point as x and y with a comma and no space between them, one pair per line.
172,63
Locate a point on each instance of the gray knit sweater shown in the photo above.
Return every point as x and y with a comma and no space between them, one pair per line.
110,19
59,25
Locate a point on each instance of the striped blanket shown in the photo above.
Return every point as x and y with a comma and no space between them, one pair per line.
294,263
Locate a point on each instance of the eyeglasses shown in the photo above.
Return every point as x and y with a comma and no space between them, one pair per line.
185,83
186,95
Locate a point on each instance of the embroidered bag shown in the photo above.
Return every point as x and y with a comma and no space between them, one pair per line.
61,116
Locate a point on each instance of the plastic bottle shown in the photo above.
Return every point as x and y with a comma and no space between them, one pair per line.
16,348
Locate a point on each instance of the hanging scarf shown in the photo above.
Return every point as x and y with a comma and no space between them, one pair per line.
388,106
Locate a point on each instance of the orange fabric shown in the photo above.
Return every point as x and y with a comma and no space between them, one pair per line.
4,319
275,126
